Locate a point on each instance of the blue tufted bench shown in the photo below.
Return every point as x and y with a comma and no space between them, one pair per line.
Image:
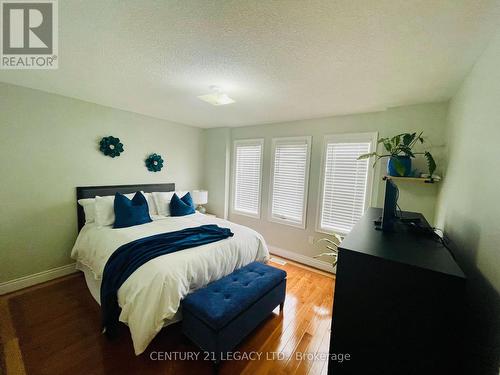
218,317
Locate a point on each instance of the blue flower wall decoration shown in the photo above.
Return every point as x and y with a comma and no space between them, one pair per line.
111,146
154,163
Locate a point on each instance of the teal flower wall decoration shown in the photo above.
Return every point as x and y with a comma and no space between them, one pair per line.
111,146
154,163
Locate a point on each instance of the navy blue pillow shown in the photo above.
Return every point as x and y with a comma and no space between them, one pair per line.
131,212
188,200
181,206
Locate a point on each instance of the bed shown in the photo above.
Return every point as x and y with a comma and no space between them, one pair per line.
151,296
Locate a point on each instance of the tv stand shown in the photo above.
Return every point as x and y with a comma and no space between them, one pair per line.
398,301
407,217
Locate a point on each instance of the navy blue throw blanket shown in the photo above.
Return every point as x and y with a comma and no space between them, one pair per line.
129,257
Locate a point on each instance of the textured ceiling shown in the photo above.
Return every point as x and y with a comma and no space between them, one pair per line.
280,60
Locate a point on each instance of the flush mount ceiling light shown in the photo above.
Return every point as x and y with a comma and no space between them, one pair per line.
217,97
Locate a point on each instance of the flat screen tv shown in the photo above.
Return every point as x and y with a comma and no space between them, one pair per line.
389,215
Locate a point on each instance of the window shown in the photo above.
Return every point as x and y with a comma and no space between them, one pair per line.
247,174
346,182
289,180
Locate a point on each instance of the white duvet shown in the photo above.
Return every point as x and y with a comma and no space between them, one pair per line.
151,296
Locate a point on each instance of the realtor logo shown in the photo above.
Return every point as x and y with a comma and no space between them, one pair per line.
29,34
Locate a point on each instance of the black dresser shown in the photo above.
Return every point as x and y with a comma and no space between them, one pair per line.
398,303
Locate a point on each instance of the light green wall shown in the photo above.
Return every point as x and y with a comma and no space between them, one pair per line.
48,146
469,204
216,170
414,197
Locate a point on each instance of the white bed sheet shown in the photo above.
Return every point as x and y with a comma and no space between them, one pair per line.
150,297
93,284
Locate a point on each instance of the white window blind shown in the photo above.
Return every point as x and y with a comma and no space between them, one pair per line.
346,182
247,176
290,173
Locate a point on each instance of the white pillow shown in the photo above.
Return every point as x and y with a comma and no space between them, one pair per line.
88,205
105,209
151,204
162,201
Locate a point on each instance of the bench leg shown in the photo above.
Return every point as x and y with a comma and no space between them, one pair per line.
216,364
215,367
281,306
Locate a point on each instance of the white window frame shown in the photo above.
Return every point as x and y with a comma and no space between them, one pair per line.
236,143
270,216
370,137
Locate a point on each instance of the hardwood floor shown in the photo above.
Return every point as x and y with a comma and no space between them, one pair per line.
55,329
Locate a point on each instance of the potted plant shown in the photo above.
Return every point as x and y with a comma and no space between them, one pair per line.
332,246
400,152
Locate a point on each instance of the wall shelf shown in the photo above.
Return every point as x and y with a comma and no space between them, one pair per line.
425,180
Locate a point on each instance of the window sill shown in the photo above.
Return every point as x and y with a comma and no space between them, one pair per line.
331,232
247,214
286,222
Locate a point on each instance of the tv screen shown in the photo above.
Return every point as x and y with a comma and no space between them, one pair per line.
389,215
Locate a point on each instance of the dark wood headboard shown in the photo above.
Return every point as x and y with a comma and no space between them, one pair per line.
91,191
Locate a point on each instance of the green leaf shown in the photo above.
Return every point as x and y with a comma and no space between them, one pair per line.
400,168
326,254
366,156
388,145
407,151
338,237
408,138
396,140
431,164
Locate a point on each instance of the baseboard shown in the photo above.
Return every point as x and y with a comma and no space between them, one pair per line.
299,258
37,278
40,277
